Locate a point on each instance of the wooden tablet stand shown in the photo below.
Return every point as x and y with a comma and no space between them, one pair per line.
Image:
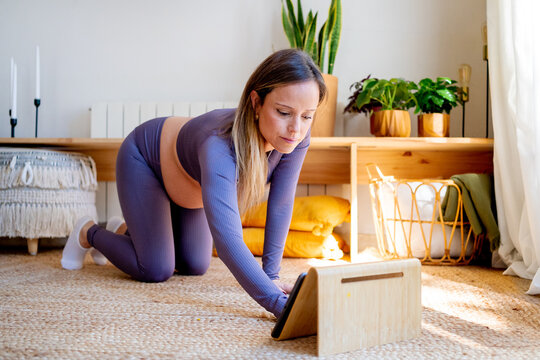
355,306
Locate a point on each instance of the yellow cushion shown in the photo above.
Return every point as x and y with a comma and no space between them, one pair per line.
317,214
298,244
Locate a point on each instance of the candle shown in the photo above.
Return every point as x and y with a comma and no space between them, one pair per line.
37,73
14,104
11,84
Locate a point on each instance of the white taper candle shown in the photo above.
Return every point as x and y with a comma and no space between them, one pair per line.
37,73
11,84
14,105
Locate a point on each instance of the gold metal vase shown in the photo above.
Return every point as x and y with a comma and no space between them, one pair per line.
396,123
434,125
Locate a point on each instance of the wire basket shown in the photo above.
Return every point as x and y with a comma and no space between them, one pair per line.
409,223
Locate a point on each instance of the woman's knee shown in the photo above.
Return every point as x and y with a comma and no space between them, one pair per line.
155,273
193,267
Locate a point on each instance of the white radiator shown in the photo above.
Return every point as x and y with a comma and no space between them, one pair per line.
117,120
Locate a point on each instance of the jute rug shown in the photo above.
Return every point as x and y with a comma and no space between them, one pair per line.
98,312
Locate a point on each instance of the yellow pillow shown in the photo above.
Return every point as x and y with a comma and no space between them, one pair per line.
318,214
298,244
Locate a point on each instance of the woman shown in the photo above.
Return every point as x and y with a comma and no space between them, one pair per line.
183,183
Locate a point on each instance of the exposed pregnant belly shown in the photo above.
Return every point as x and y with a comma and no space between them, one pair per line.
181,188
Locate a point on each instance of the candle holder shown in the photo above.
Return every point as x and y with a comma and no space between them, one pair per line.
13,123
37,102
464,73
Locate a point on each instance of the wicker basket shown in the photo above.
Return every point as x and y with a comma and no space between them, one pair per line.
408,221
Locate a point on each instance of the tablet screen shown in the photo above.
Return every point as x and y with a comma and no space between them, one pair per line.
276,332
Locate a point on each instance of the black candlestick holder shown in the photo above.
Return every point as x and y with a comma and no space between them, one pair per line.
13,123
37,102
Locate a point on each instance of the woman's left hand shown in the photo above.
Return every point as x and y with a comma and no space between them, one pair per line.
286,288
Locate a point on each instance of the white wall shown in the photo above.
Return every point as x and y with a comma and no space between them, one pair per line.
204,50
179,50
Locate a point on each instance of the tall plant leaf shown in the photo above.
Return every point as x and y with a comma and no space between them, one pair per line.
311,29
334,36
287,28
294,24
321,46
330,23
300,18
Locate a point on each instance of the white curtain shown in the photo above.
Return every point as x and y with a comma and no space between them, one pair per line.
514,66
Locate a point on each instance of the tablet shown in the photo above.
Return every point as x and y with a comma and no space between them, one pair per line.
276,332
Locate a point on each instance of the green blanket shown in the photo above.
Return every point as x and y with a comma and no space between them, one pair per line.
478,197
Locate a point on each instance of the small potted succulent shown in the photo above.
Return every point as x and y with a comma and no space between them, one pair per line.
386,102
435,100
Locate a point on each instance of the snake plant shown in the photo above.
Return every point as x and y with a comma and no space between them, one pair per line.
301,32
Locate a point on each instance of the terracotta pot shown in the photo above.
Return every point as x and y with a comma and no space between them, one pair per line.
325,117
434,125
395,123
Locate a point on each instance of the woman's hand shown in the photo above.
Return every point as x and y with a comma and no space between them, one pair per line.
286,288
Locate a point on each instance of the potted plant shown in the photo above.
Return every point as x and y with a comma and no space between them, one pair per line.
301,33
435,99
387,102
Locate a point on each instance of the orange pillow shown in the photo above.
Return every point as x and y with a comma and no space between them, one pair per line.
301,244
316,214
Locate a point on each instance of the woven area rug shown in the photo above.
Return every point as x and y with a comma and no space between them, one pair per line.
98,312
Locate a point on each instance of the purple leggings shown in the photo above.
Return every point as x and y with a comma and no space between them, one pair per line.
162,237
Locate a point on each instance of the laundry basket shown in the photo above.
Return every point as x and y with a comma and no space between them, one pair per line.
408,221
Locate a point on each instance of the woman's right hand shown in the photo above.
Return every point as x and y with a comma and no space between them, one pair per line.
286,288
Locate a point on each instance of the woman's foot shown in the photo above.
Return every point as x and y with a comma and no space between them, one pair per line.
115,224
77,245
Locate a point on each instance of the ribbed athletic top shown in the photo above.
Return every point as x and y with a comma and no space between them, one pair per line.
208,156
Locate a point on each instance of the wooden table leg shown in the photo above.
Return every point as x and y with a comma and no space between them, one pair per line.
32,246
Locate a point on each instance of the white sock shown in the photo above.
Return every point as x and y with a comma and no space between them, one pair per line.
99,258
112,225
73,254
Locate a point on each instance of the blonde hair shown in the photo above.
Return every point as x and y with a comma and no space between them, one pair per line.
281,68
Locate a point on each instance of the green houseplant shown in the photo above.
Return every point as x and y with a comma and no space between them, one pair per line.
435,99
387,102
302,34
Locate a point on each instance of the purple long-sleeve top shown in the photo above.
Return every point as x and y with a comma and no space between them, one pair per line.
208,156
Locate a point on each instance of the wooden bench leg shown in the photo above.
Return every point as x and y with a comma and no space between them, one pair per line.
32,246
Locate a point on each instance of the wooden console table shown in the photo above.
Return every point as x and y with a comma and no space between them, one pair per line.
330,160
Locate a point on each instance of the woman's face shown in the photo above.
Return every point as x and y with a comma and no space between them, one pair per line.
287,114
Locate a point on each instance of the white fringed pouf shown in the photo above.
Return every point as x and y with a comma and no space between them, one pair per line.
43,193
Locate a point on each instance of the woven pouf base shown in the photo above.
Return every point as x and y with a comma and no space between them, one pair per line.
43,192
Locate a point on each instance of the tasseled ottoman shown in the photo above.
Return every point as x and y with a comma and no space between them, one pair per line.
43,193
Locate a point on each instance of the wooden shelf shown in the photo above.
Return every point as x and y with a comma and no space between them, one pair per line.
328,158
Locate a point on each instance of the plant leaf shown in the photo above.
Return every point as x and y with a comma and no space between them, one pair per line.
330,23
300,18
287,28
321,44
446,95
443,80
363,98
311,29
437,101
335,36
294,25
